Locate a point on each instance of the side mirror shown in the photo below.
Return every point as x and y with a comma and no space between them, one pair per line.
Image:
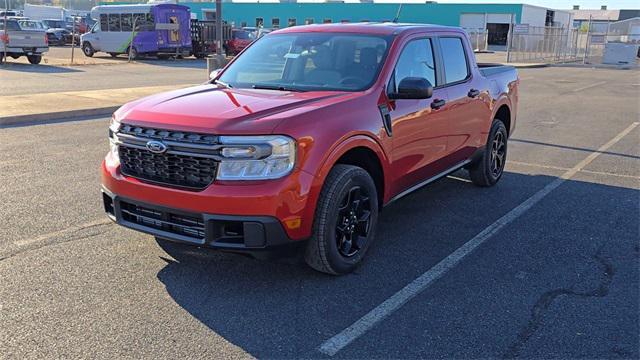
413,88
214,74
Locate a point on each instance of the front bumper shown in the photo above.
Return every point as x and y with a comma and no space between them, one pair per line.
290,200
233,233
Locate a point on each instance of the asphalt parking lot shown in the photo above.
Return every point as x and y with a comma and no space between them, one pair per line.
543,265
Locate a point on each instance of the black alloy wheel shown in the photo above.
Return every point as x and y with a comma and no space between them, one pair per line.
498,154
352,226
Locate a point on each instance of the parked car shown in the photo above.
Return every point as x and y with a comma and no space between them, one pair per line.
239,40
60,37
16,42
304,137
54,24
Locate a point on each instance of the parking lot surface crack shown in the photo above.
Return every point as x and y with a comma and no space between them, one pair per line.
72,234
545,301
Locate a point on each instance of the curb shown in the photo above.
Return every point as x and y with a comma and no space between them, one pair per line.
59,115
598,66
529,66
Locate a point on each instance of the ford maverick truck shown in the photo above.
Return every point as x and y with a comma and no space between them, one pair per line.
305,136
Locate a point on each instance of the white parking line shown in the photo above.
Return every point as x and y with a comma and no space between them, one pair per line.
397,300
589,86
603,173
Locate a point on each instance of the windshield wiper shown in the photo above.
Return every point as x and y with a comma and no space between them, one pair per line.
220,82
276,87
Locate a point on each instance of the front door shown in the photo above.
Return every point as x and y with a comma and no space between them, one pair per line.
419,129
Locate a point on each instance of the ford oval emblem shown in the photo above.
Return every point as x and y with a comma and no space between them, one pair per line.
156,147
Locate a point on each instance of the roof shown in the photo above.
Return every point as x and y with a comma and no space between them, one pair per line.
378,28
596,15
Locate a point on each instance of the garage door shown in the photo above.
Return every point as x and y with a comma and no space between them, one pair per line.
472,21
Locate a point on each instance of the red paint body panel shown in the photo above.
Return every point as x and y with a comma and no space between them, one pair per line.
325,125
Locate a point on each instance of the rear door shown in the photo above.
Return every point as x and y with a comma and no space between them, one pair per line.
469,108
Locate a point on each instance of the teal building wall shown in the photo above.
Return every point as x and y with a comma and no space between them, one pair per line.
442,14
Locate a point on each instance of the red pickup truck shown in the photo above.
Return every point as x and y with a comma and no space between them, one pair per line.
305,136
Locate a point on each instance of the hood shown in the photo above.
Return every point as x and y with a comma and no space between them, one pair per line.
212,109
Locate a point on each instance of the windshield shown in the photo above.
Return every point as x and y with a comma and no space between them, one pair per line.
54,23
31,25
243,35
309,61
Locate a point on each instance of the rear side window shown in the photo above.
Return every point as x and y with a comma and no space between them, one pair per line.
11,25
416,60
127,22
455,60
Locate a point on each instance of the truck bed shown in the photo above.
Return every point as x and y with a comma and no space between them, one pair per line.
490,69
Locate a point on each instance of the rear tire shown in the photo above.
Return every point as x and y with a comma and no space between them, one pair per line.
488,170
34,59
345,221
88,50
113,55
133,53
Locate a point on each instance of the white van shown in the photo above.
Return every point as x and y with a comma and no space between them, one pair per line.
160,30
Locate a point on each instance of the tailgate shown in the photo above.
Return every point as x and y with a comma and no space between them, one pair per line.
27,39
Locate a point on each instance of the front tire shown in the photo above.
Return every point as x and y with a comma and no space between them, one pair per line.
34,59
345,221
488,170
87,49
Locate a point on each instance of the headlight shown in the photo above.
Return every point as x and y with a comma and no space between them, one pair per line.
256,157
114,126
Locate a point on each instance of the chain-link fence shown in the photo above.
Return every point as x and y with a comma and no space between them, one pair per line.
479,38
561,44
544,44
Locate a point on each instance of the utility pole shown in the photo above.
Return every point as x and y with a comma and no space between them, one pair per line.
219,46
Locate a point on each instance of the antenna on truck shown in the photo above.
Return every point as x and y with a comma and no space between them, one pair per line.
395,19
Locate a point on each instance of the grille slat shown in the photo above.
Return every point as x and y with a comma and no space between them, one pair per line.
188,170
190,226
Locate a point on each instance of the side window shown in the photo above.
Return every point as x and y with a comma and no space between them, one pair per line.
151,23
114,22
104,22
127,22
455,60
416,60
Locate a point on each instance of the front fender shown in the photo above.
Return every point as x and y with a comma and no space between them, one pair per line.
322,169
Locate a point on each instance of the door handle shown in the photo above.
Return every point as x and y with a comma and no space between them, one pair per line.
473,93
438,103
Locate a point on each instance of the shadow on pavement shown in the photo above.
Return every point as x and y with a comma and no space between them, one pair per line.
40,68
286,310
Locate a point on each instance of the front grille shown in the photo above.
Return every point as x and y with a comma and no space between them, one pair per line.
186,225
189,161
168,135
179,170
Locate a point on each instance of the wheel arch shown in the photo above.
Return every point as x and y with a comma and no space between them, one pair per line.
502,111
362,151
